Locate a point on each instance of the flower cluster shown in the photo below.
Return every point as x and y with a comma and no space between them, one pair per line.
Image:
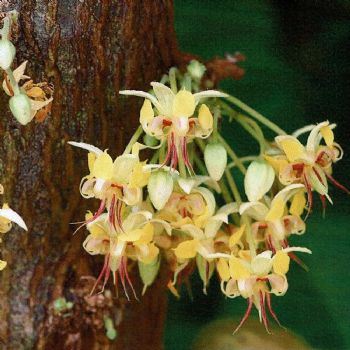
30,99
165,209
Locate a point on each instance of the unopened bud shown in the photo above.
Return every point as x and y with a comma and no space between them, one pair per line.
160,186
196,70
148,272
258,180
215,157
7,54
21,108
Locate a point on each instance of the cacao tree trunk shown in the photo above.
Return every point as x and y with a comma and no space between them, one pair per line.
89,50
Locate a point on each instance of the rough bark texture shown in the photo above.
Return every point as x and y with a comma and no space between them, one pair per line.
89,50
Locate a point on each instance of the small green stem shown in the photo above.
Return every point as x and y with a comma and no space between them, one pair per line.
248,231
256,115
182,167
243,160
228,199
233,186
215,126
155,157
5,31
172,79
133,140
187,82
233,155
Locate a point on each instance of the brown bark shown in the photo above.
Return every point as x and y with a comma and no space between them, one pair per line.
89,50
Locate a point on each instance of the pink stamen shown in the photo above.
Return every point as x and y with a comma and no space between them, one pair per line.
246,315
268,301
324,204
102,273
270,244
263,311
111,214
95,216
309,195
126,274
185,155
337,184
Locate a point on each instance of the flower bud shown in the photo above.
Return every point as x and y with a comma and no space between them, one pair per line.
196,70
150,141
160,186
7,54
215,158
148,272
258,180
21,108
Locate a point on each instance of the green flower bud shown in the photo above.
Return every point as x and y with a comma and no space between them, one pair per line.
215,157
21,108
258,180
160,186
7,54
196,70
148,272
150,141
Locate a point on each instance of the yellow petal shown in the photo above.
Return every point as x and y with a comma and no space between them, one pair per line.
91,161
205,117
131,236
147,234
276,162
184,104
139,177
276,211
281,263
237,270
292,148
298,203
103,166
36,92
187,249
2,264
153,252
236,237
328,135
223,269
146,112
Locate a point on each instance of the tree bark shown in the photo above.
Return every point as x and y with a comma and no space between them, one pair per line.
89,50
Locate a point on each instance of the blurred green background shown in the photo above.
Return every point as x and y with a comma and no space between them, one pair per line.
297,73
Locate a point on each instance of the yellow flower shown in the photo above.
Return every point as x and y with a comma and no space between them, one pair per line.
174,119
194,215
134,241
113,182
273,223
310,165
256,278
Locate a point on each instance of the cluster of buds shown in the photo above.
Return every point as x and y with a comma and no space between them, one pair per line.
165,210
28,99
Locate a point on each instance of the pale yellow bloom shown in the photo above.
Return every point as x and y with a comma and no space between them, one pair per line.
256,278
174,119
275,222
310,165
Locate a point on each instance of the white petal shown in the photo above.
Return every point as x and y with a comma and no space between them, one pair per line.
14,217
141,94
297,249
313,139
86,146
208,93
165,98
255,210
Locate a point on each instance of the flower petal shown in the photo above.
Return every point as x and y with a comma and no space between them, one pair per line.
237,270
281,262
186,249
208,93
184,104
86,146
223,269
205,118
11,215
293,149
